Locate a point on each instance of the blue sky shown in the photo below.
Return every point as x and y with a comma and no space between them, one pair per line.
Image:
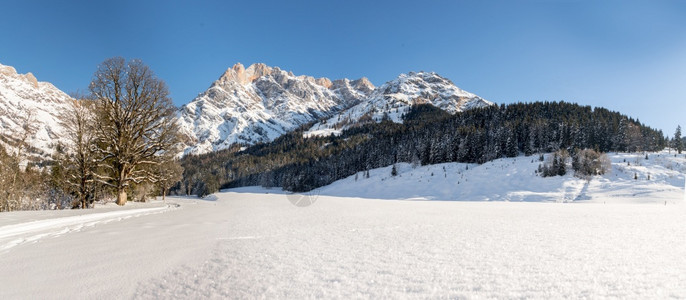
628,56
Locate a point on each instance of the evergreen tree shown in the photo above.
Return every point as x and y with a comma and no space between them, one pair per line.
556,165
678,143
561,166
620,138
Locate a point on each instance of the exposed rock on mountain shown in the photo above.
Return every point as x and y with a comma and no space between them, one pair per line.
260,103
30,111
394,98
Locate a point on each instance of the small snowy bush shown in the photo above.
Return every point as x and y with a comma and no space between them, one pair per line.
588,163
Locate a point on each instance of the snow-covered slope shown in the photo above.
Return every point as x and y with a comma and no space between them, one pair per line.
394,98
660,179
260,103
24,100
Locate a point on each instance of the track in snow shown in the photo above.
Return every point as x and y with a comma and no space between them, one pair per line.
17,234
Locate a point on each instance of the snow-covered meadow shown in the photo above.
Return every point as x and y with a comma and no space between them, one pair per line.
614,237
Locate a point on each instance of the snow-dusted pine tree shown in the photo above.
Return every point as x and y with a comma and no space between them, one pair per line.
678,143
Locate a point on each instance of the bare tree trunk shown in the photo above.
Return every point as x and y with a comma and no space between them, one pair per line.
13,192
121,188
121,197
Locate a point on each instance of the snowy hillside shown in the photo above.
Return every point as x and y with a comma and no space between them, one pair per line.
394,98
514,179
260,103
25,100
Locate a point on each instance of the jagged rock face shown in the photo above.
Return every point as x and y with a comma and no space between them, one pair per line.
24,100
351,91
395,97
426,87
259,104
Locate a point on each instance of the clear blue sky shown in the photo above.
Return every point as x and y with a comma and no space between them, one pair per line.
628,56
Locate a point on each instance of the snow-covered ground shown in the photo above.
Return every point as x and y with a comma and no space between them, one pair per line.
249,244
254,243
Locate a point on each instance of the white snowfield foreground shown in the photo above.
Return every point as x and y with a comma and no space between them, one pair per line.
254,243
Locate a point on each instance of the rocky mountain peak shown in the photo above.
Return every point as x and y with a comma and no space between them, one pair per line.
255,71
31,79
244,76
10,71
239,74
7,70
430,88
395,97
325,82
260,103
363,84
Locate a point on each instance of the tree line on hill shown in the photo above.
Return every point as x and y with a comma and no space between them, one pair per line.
428,135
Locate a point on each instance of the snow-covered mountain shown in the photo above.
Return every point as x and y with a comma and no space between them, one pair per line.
260,103
26,101
394,98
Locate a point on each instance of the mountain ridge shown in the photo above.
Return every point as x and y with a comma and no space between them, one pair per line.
394,98
259,103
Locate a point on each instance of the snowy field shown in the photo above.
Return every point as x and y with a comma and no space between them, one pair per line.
613,237
246,245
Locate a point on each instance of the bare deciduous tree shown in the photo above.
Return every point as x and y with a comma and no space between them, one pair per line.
9,168
15,174
78,162
588,163
135,122
168,173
